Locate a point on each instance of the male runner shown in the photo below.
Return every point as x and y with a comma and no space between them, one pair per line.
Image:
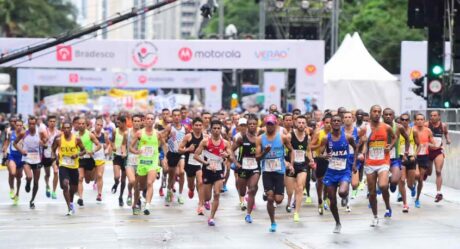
131,163
119,158
6,149
15,163
100,155
49,134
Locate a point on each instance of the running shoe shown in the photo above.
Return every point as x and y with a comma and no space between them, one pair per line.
224,189
207,205
211,222
326,204
308,200
405,209
361,186
344,202
264,196
32,205
53,195
243,206
80,202
348,209
180,199
354,194
114,188
200,211
146,209
393,187
48,192
438,198
320,209
288,208
293,204
69,213
162,192
417,203
248,218
399,199
337,228
28,186
136,211
72,207
121,203
304,192
375,222
413,191
296,217
15,200
94,186
129,201
379,191
99,198
12,195
272,228
388,213
168,198
191,193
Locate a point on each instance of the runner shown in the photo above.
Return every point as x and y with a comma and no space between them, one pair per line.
131,164
68,146
86,163
436,154
248,169
427,143
295,180
145,144
15,163
49,134
6,149
30,150
100,155
214,150
242,130
174,134
380,140
119,158
270,150
338,174
193,170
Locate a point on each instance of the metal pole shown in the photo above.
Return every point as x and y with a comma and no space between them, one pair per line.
335,26
221,19
262,23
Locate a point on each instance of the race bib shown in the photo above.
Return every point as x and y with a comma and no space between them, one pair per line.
33,157
132,159
393,153
376,153
299,156
411,150
99,155
249,163
437,141
215,164
147,151
47,153
192,161
423,149
272,165
338,163
68,161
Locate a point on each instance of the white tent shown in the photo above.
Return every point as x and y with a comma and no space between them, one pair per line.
354,79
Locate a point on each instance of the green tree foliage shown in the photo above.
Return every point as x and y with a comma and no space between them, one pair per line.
382,25
36,18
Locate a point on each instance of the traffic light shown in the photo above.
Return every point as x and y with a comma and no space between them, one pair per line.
234,101
234,95
437,70
446,104
419,89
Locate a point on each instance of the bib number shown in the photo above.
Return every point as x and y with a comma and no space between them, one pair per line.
377,153
249,163
299,156
338,163
272,165
33,157
438,141
423,149
147,151
192,161
132,159
215,164
68,161
47,153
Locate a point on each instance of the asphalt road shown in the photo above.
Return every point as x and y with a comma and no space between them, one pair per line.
106,225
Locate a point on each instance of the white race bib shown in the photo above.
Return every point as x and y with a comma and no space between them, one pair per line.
192,161
132,159
249,163
68,161
338,163
393,153
99,155
33,157
215,164
423,149
147,151
437,141
299,156
272,165
376,153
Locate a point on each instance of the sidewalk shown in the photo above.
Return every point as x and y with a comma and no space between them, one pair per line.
450,194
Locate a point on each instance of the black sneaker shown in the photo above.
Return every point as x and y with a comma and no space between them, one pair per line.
80,202
32,205
28,186
438,198
114,188
120,202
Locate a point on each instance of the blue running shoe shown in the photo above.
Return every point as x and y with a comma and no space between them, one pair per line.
388,213
248,218
417,203
413,191
379,191
224,189
272,228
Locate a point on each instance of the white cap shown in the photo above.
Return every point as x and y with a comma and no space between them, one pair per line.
242,121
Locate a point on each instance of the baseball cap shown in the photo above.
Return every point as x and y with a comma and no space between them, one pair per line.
270,119
242,121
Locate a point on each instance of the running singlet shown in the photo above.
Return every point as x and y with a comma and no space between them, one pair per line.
317,151
66,151
437,134
247,155
340,151
300,148
189,156
394,153
132,158
148,146
51,137
32,147
213,155
12,150
118,142
377,142
175,138
273,161
402,143
87,143
100,155
424,141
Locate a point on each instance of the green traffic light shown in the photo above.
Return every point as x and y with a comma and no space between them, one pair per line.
234,95
437,70
446,104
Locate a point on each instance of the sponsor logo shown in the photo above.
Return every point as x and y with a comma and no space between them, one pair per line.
310,69
64,53
145,54
186,54
120,79
74,78
415,74
272,55
142,79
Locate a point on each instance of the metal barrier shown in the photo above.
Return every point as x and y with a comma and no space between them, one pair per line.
450,171
451,117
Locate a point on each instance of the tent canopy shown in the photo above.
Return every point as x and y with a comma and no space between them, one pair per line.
355,80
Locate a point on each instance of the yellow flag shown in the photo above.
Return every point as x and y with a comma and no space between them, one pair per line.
136,94
80,98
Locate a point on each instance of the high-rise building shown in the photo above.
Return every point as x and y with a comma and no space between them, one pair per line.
180,20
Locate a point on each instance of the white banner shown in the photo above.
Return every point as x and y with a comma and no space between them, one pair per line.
273,83
307,57
211,81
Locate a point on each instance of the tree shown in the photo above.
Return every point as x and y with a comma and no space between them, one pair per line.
382,26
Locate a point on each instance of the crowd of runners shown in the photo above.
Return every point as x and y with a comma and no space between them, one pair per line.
338,150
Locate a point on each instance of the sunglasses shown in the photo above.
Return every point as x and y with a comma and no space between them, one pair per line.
404,119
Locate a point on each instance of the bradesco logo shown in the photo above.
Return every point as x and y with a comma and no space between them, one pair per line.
145,54
64,53
272,55
186,54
